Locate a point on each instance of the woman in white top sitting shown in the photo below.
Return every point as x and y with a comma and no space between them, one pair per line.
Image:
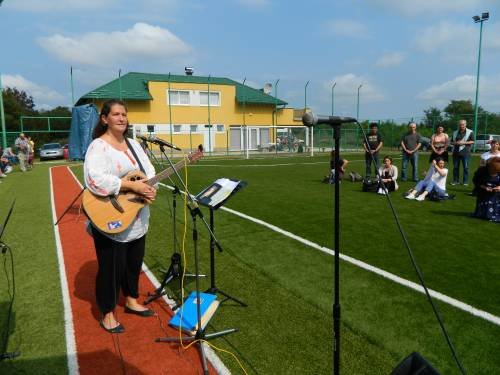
435,180
388,175
493,152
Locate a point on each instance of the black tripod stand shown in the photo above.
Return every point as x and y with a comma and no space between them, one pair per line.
200,335
3,248
69,206
175,270
213,288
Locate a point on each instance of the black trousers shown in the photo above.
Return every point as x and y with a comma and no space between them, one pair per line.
120,265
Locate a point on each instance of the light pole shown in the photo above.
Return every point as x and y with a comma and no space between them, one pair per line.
4,134
333,88
2,114
357,113
276,115
357,103
484,17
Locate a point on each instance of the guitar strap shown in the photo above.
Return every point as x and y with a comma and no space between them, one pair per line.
135,155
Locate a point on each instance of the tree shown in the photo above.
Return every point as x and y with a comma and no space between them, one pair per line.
433,117
16,104
458,108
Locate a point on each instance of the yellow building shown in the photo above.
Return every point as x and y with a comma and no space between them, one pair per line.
188,110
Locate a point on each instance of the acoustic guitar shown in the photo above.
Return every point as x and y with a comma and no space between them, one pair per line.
113,214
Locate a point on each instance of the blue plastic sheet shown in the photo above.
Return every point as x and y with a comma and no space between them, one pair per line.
83,120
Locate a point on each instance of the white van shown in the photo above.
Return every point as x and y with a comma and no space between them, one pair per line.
482,141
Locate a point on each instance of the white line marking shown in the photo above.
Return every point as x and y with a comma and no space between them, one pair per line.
68,314
210,354
399,280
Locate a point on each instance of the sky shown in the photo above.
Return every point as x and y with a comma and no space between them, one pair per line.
408,55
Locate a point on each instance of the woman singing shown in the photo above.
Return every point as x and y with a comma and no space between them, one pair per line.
108,159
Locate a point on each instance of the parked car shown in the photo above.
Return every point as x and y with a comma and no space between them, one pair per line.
51,151
426,143
482,141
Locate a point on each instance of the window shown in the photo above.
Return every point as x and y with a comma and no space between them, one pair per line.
193,128
178,97
151,128
214,98
220,128
177,128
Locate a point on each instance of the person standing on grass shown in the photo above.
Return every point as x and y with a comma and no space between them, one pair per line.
23,149
462,140
439,144
31,155
434,181
108,159
372,144
410,143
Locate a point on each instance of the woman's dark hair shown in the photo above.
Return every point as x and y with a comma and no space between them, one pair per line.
101,127
438,159
388,158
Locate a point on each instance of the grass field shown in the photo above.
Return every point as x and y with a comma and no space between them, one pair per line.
287,327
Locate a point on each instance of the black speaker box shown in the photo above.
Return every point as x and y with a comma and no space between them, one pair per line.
414,364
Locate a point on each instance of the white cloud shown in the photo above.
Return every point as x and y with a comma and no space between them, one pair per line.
425,7
347,86
464,87
140,43
45,6
390,59
457,42
43,96
345,27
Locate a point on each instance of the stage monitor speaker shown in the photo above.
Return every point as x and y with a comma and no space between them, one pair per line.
414,364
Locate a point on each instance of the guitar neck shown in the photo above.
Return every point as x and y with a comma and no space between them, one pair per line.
165,173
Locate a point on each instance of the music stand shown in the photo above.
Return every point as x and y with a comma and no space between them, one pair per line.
4,354
213,197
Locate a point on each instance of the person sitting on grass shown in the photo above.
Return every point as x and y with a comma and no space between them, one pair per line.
341,168
434,181
388,175
488,193
493,152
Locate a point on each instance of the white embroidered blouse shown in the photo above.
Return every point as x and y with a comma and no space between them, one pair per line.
103,169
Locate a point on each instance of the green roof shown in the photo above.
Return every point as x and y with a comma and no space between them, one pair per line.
134,86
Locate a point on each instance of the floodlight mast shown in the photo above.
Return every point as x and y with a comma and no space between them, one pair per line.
484,17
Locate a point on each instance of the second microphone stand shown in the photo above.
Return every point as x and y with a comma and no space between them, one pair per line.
200,335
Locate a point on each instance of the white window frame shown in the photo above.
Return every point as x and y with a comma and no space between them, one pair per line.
178,92
211,93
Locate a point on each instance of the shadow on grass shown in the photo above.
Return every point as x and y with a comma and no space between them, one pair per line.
89,363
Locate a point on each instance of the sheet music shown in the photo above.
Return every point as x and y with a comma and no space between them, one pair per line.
217,193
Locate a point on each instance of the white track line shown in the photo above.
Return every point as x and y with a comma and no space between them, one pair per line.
69,329
210,354
399,280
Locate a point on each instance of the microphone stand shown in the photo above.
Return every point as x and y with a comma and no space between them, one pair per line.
336,246
200,335
175,270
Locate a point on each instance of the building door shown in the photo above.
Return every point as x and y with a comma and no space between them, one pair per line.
208,138
254,138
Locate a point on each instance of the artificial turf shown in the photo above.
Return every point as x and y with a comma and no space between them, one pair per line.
287,327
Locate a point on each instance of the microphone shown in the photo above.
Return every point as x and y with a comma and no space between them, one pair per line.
310,119
161,142
158,141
